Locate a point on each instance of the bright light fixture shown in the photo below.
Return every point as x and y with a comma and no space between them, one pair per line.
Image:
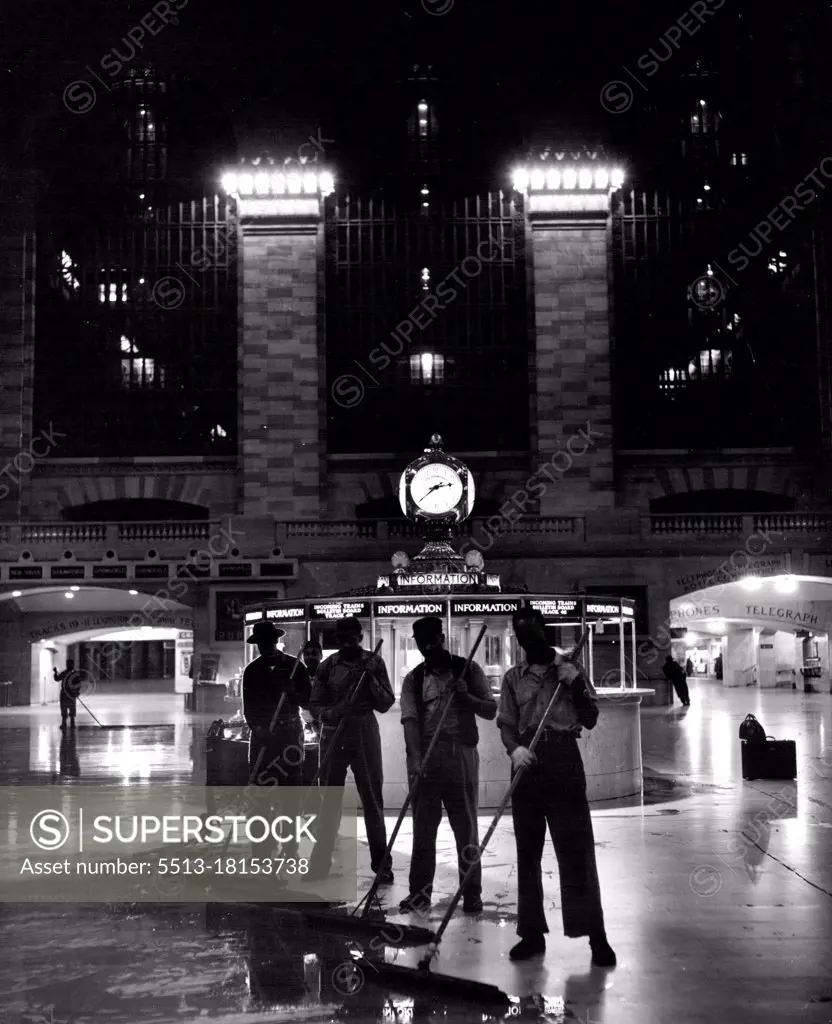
245,184
278,184
69,595
553,177
786,585
75,589
718,625
690,638
229,183
326,183
17,593
751,583
133,592
294,185
265,183
261,184
520,179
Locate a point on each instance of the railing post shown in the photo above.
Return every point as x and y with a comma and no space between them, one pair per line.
748,528
383,530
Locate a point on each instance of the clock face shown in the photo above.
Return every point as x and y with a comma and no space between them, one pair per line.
436,489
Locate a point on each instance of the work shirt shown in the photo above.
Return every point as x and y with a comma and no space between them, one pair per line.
525,695
265,680
435,686
337,676
71,683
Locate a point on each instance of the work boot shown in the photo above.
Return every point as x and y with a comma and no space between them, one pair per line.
386,877
472,905
603,954
528,947
415,903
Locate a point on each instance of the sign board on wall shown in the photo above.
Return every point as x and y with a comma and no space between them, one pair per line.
485,606
339,609
727,572
57,625
230,607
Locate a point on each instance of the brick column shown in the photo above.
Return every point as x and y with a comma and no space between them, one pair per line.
569,237
282,406
17,339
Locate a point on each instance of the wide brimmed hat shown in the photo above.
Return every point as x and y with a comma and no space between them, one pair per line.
349,626
265,630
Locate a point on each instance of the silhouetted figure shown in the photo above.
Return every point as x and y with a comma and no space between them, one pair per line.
688,668
675,674
265,680
70,681
718,666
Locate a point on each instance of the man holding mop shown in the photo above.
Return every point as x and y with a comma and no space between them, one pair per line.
451,778
357,746
552,791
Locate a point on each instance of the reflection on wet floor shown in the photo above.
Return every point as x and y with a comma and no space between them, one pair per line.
716,893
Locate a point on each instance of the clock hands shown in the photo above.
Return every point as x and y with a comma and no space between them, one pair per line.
430,490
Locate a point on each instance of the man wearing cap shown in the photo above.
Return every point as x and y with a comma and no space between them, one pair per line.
451,777
335,699
552,790
265,681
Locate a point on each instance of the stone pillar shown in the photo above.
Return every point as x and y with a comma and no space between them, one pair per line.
740,660
15,656
569,240
282,400
17,340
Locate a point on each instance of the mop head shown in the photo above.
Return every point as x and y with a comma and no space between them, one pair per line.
417,979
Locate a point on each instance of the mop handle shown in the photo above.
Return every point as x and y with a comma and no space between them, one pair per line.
417,778
518,775
84,706
324,762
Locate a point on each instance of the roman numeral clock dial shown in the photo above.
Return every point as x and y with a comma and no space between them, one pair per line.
436,489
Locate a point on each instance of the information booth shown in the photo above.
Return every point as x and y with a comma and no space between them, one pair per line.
611,751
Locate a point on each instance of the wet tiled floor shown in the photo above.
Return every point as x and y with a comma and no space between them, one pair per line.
717,895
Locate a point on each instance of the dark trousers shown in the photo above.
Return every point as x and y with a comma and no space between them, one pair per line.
68,708
359,748
553,794
680,685
451,780
281,765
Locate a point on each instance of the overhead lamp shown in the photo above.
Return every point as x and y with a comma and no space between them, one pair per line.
785,585
310,183
326,182
261,184
690,638
245,184
294,185
520,179
751,583
570,179
229,183
69,595
553,179
602,179
718,625
585,178
17,593
617,178
75,589
133,592
538,179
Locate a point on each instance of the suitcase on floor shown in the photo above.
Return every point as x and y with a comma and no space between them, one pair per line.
769,759
226,761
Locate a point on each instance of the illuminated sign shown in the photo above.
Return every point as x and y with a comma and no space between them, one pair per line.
492,580
558,608
291,613
485,607
340,609
385,609
439,579
67,572
382,582
151,572
596,608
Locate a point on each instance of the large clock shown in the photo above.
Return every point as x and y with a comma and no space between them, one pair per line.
437,486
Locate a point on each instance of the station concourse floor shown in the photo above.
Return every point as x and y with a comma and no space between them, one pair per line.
717,895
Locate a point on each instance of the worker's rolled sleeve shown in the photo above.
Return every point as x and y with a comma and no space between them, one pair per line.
508,714
407,700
